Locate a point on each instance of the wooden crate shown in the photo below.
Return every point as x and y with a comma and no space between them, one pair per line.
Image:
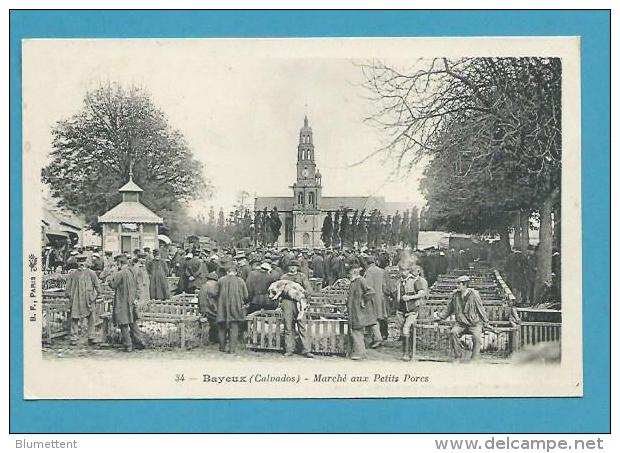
330,309
432,339
183,304
54,281
532,333
540,315
161,330
328,298
495,312
56,320
327,332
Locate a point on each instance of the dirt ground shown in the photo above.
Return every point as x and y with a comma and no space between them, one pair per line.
60,349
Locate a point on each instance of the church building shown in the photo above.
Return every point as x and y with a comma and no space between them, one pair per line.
302,214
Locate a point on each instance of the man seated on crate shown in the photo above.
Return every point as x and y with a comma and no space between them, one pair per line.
470,317
412,293
82,288
290,313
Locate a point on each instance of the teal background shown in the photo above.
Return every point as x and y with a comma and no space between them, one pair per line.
435,415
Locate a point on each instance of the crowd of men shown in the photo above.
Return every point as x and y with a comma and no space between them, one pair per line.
233,283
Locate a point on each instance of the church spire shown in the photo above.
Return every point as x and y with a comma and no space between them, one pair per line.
306,121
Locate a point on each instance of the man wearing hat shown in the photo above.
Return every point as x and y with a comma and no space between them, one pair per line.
412,293
82,288
194,269
290,313
158,277
470,316
182,286
276,270
143,280
96,263
71,262
378,280
258,283
207,303
230,308
362,314
124,312
243,267
318,265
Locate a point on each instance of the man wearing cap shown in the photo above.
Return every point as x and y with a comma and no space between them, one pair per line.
258,288
82,288
124,312
412,293
230,308
362,314
96,264
290,313
158,272
207,303
470,316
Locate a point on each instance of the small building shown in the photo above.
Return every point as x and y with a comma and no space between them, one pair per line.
129,225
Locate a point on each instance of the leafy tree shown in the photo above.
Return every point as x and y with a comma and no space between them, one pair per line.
403,235
414,228
336,231
362,230
327,230
276,225
344,228
119,130
395,229
491,130
353,228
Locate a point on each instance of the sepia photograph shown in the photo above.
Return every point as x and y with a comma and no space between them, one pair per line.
240,218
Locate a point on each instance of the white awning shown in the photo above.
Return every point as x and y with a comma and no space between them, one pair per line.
165,239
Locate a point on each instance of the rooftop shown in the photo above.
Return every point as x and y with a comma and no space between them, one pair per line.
130,212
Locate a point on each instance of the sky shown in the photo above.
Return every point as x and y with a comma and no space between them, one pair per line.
240,106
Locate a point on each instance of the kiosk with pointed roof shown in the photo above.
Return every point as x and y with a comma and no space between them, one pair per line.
129,225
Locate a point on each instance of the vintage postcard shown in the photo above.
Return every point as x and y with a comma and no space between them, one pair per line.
301,218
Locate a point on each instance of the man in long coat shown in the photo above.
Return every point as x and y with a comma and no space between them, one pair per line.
258,283
143,281
318,266
362,314
377,279
82,288
158,272
124,312
207,303
230,308
194,274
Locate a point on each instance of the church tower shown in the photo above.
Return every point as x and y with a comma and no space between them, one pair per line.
307,217
307,187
